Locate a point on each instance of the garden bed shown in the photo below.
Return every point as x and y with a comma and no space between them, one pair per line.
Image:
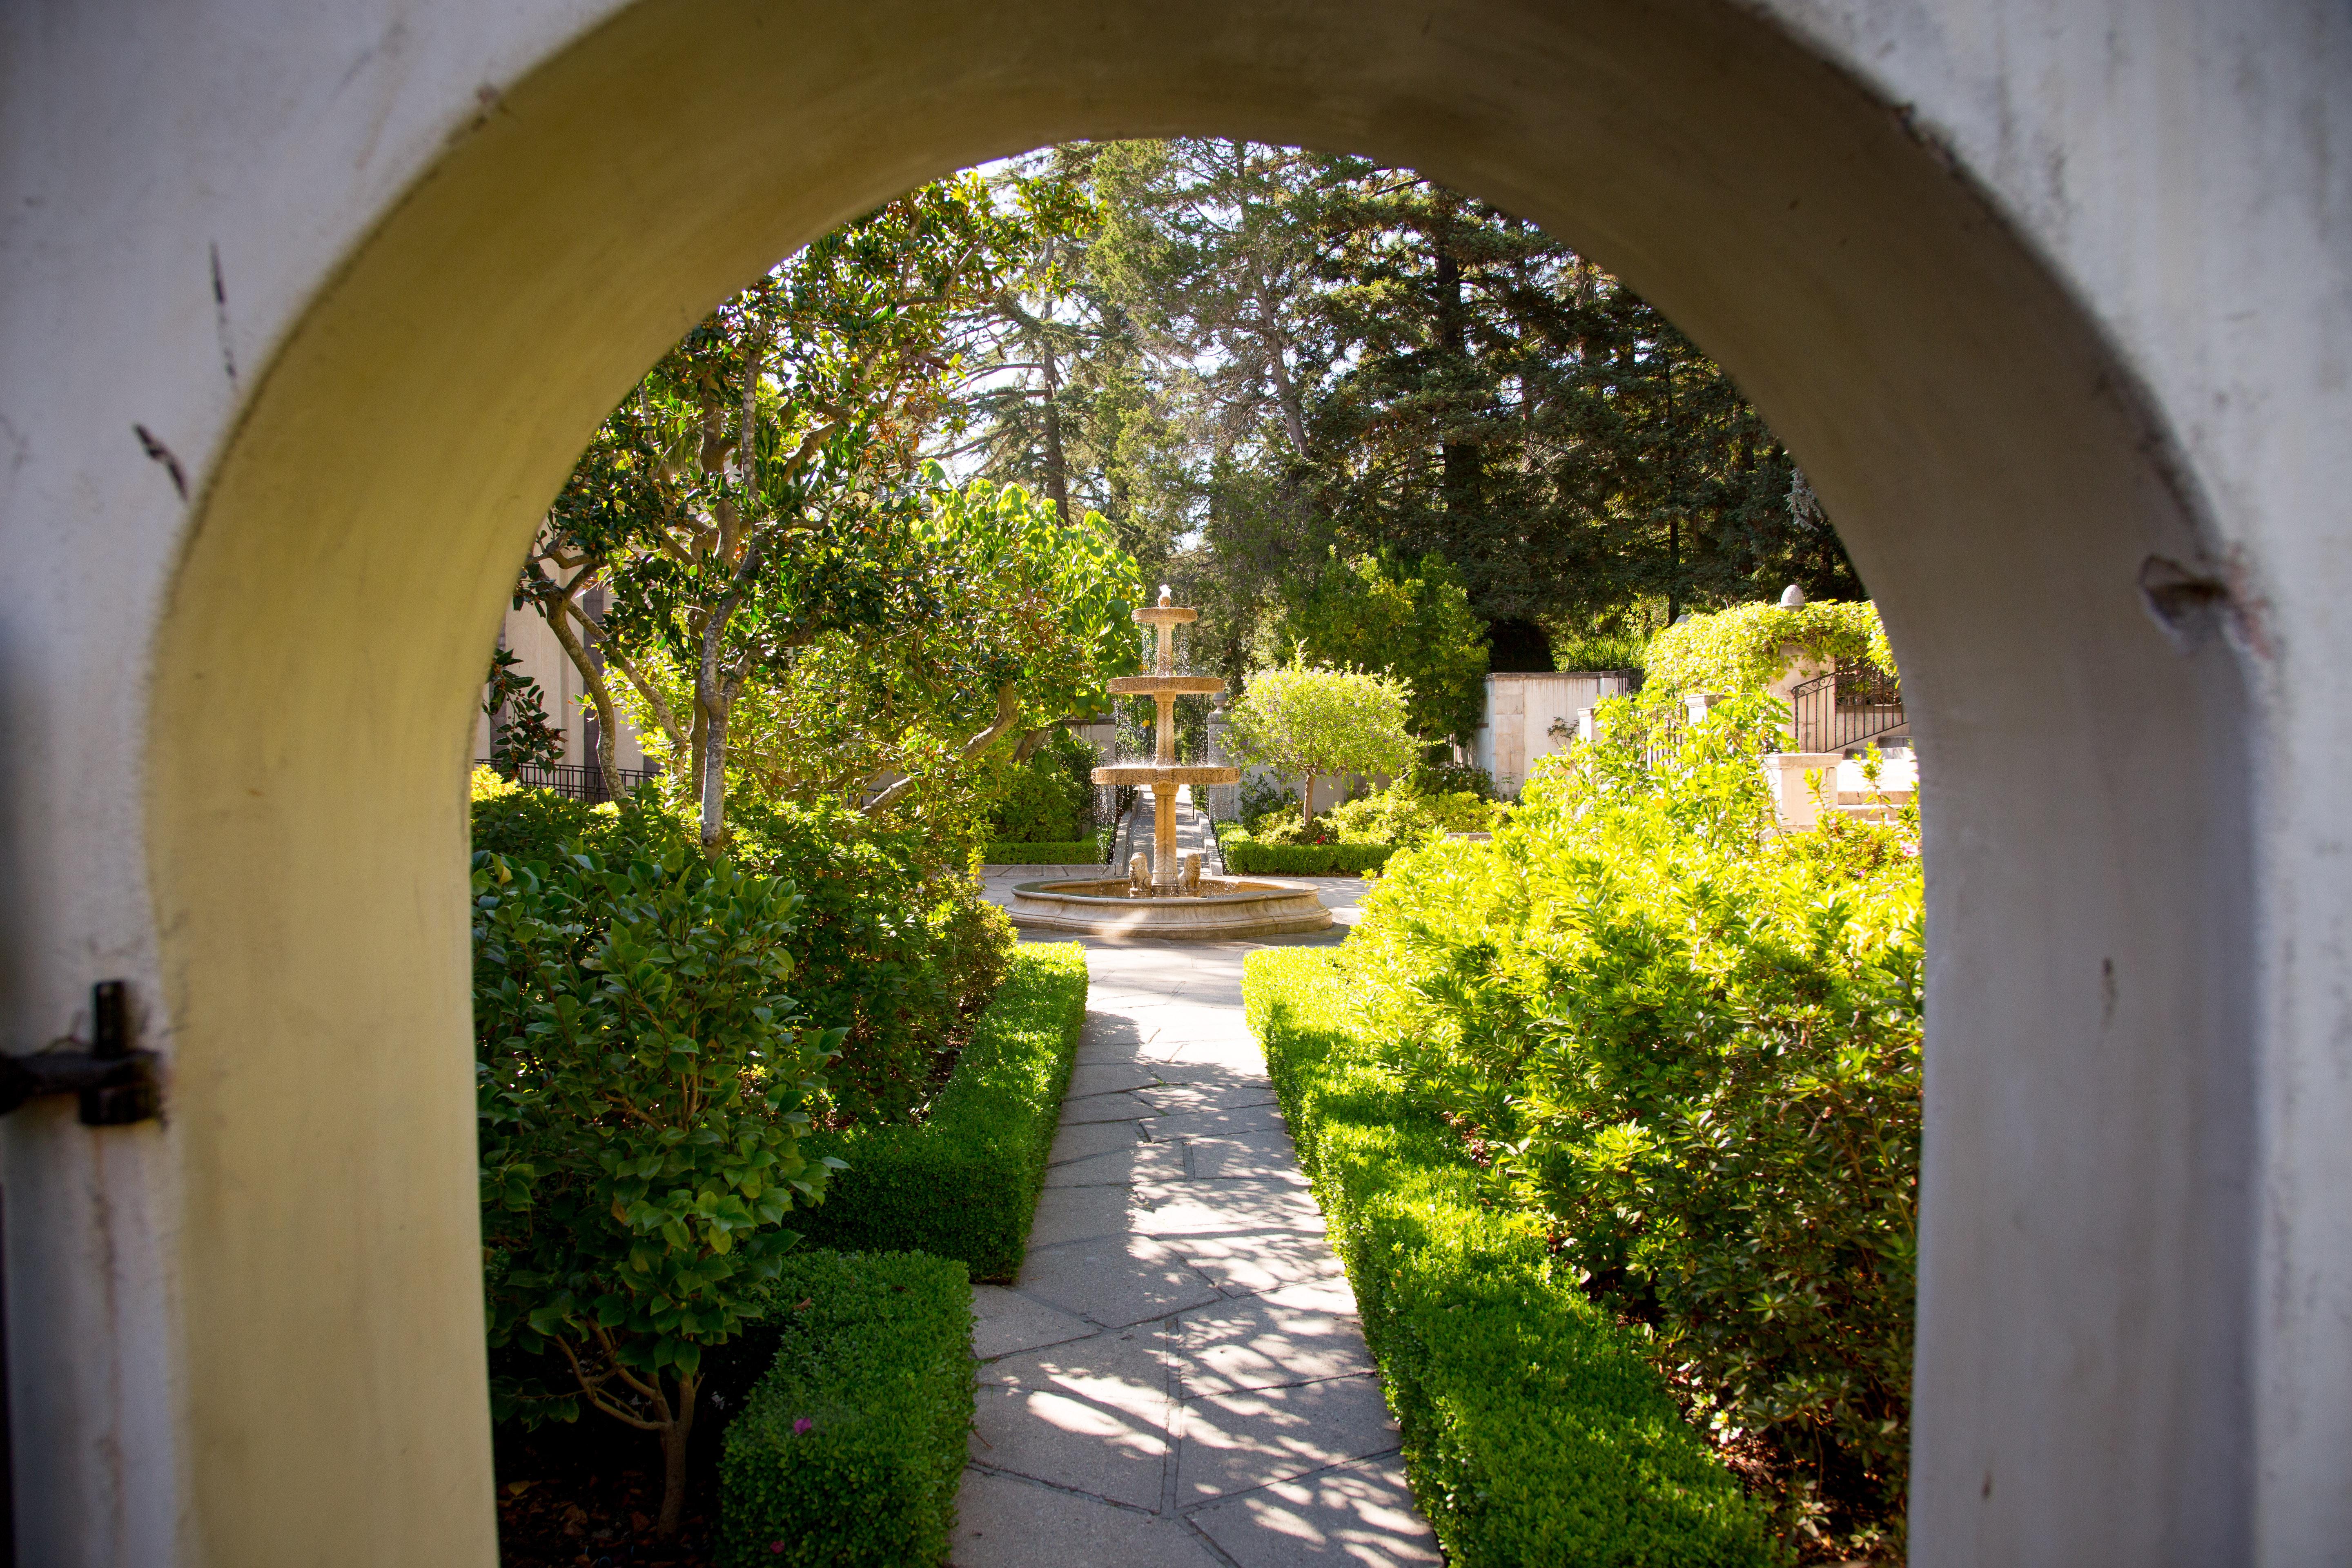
592,1487
964,1183
1534,1430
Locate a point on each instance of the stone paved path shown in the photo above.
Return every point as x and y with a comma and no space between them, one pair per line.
1177,1379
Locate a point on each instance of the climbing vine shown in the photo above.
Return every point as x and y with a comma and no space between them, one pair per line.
1741,649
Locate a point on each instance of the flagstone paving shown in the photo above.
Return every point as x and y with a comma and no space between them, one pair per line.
1178,1379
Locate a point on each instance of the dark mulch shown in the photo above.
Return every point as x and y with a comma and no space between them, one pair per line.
585,1494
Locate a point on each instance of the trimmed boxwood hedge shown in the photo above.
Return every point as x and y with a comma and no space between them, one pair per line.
964,1183
1534,1431
1073,852
1245,855
849,1451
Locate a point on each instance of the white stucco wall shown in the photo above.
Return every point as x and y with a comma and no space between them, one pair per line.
539,656
241,1336
1521,713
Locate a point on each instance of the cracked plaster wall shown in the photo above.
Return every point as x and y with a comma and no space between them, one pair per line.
179,184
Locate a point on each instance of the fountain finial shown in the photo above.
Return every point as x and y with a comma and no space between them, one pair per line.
1167,595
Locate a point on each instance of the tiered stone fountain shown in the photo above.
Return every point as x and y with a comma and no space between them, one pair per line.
1162,898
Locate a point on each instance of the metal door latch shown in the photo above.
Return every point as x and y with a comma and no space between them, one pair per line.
117,1084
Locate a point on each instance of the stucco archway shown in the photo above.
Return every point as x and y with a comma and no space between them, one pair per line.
2083,1391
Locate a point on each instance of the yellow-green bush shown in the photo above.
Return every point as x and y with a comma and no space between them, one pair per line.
1401,818
1534,1430
1693,1049
1740,649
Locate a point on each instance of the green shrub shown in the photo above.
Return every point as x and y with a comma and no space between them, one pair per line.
849,1451
974,942
1534,1430
870,947
1245,855
1042,800
1050,798
1259,797
640,1079
1076,852
1401,818
1282,824
529,823
1603,651
1693,1048
1449,778
964,1183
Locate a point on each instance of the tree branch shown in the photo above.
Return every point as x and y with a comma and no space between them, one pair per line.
1008,712
655,702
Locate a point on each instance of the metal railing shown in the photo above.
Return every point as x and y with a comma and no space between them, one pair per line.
1845,708
1661,735
576,781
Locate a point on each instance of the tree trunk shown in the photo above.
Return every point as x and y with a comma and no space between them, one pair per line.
1057,477
1029,744
1674,497
714,773
673,1441
558,616
1459,462
694,757
1306,803
681,748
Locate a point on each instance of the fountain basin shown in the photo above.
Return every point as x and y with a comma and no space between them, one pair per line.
1168,684
1150,775
1226,910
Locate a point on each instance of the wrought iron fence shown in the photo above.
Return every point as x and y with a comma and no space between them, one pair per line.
574,780
1845,708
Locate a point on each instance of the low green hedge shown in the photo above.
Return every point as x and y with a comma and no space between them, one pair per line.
1245,855
850,1450
1069,852
964,1183
1534,1431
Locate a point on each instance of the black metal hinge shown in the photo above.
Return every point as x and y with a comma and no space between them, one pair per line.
116,1082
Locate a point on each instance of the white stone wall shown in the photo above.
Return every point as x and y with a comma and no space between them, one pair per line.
1529,717
541,658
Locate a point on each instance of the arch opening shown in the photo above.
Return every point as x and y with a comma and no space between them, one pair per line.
1992,476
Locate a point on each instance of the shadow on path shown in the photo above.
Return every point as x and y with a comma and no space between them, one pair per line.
1178,1377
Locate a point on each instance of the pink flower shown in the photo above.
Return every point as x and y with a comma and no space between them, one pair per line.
801,1425
775,1548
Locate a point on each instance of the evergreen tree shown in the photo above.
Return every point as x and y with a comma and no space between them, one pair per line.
1308,351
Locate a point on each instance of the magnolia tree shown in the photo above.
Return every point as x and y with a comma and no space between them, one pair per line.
1305,720
1007,623
755,493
